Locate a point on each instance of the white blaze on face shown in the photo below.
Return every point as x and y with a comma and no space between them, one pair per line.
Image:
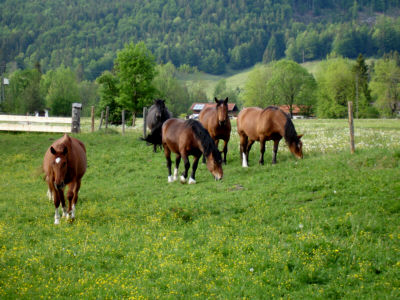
58,159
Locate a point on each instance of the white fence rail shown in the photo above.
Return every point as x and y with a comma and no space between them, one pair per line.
35,124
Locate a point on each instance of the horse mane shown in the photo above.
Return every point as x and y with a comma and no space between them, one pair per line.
290,132
205,139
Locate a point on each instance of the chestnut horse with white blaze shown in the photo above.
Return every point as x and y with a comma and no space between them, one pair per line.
271,123
217,123
186,138
64,164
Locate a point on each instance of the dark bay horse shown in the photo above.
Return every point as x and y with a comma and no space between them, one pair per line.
64,164
157,115
271,123
217,123
186,138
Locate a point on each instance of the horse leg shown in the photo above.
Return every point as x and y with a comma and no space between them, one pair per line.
243,147
167,153
192,179
187,166
177,162
262,151
276,144
249,145
225,150
58,196
75,190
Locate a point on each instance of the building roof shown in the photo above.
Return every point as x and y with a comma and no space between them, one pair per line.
296,109
198,106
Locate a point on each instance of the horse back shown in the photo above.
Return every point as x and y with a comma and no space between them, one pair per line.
177,136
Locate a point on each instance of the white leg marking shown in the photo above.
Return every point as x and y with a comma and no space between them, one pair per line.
183,179
192,181
49,195
170,179
56,217
65,213
244,161
73,211
175,174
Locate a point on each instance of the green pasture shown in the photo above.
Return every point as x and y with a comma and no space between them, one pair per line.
325,227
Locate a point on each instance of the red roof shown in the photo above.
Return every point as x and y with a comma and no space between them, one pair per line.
296,109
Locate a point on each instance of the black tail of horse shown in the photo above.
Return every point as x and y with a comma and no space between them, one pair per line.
206,141
155,136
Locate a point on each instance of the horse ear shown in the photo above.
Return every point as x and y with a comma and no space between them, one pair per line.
300,136
226,100
215,99
65,151
53,151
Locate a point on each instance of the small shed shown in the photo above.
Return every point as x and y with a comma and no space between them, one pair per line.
197,107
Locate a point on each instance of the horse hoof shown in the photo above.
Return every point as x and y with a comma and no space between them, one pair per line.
170,179
56,221
192,181
183,179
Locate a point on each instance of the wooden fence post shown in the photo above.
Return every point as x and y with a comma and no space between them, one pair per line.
351,125
76,117
101,119
144,121
107,115
92,115
123,121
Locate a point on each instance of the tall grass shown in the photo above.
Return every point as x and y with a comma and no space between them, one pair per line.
323,227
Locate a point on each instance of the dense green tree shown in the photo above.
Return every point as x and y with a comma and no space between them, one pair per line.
135,69
335,88
385,86
109,94
255,91
291,84
171,89
61,89
363,99
23,95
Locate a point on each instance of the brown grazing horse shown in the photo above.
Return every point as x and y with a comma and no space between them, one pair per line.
64,164
186,138
271,123
217,123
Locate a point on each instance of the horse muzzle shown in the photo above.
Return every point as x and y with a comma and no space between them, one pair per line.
59,186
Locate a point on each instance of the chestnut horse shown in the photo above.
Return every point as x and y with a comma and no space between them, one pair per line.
64,164
217,123
271,123
186,138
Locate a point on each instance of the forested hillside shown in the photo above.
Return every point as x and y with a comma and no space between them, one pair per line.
212,35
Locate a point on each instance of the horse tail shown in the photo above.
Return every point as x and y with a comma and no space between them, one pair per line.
206,141
155,136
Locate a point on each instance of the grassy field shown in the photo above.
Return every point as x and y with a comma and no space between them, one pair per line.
324,227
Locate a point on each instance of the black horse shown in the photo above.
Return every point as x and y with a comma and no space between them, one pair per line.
157,115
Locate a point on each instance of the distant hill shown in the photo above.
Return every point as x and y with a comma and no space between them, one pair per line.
213,35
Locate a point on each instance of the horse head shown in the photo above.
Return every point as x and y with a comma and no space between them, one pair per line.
296,147
59,166
160,105
222,110
214,164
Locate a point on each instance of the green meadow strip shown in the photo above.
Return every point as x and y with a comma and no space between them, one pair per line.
323,227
